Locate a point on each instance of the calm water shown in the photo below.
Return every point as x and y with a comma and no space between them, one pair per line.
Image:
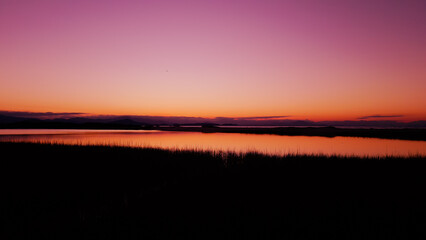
272,144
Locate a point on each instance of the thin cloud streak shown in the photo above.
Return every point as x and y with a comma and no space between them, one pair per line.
42,115
262,117
381,116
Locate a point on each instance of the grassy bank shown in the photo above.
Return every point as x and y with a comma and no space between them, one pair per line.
90,192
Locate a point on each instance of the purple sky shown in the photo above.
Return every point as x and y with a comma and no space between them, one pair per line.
321,60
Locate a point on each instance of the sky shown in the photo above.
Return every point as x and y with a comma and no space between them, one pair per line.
303,59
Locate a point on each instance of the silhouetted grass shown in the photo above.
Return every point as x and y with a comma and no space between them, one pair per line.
53,191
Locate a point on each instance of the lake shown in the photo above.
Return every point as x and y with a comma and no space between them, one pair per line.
264,143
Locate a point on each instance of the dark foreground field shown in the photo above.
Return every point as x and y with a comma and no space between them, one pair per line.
77,192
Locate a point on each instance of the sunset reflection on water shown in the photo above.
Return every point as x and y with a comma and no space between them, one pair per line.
269,144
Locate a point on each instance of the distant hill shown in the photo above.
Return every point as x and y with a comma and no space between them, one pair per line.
127,122
10,119
72,123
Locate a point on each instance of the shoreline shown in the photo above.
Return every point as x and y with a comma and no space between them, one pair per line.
415,134
401,134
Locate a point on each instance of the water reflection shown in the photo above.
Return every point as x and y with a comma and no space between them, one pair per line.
271,144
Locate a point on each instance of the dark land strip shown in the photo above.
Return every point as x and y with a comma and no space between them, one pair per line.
418,134
403,134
